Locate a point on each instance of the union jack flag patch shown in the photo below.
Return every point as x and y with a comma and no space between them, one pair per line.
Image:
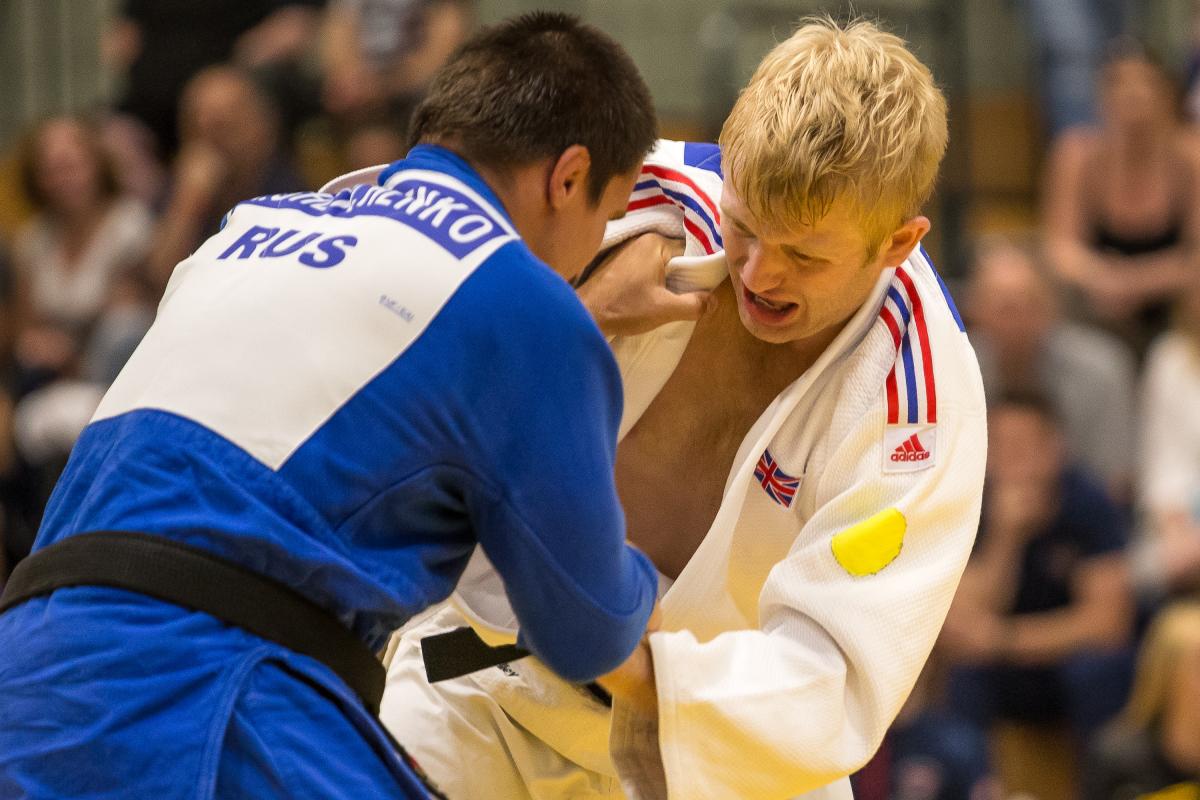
778,485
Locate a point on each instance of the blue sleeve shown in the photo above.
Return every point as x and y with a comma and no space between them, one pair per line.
556,533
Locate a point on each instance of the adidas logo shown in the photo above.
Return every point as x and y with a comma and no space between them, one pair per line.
911,450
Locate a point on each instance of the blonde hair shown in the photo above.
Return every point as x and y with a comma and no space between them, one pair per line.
1174,632
836,111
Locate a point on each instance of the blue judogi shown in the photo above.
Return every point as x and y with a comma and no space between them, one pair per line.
346,394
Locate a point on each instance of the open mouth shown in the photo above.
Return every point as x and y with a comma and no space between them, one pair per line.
771,312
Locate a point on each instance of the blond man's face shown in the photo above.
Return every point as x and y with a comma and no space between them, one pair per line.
795,284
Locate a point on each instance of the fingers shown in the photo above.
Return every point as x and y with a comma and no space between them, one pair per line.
689,306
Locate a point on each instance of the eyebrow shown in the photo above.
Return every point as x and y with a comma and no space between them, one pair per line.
792,251
725,212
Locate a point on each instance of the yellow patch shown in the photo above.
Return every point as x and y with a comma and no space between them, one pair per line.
872,544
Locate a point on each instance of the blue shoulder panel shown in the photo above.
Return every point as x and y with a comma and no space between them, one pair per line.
945,291
703,155
448,217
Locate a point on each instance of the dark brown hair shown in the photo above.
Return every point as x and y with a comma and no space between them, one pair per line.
531,87
28,159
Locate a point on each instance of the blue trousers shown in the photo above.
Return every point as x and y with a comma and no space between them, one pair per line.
110,694
1085,691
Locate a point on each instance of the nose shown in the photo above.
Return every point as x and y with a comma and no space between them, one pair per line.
761,272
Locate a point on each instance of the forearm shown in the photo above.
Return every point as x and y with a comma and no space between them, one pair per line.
1164,273
990,582
1074,262
339,40
1048,637
178,232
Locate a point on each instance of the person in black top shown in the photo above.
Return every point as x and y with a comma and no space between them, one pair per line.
1039,628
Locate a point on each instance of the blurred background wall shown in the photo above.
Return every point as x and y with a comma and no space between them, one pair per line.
695,54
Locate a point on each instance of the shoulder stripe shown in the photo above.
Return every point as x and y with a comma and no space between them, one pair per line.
903,314
661,185
923,340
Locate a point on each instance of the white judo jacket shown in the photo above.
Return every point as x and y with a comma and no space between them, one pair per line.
796,631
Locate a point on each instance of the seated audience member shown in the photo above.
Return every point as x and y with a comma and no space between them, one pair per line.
230,150
1167,557
1068,39
1122,219
85,236
380,56
76,258
374,142
930,752
160,44
1155,742
1024,345
1040,626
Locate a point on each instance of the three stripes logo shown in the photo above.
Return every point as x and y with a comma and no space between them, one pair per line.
911,450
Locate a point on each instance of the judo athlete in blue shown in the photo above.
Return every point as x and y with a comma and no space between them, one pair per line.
342,395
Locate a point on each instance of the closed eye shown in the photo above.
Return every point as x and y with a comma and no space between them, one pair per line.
797,255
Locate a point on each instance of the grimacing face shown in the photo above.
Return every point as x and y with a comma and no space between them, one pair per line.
796,284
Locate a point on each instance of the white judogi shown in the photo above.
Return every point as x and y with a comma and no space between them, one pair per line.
796,631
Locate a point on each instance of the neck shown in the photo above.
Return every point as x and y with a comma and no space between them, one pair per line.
519,192
1140,142
805,352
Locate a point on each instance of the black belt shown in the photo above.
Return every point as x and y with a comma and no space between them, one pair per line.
196,579
461,651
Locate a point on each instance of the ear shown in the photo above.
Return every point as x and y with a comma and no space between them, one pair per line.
903,240
568,177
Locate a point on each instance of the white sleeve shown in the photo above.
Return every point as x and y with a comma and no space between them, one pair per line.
807,698
1168,464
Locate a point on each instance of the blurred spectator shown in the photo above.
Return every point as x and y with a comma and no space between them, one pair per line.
1024,345
163,43
375,142
8,315
930,752
84,240
131,148
1168,555
230,152
1192,76
379,55
1155,743
1069,36
1039,629
1122,215
79,308
40,431
7,455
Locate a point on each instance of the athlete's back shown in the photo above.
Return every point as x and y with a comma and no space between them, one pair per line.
340,398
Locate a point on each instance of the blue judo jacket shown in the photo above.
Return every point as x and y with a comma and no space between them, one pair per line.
347,394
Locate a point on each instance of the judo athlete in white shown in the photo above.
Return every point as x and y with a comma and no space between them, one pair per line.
804,465
340,397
